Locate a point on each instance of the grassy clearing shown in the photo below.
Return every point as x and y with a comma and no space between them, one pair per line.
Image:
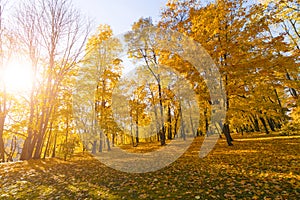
251,169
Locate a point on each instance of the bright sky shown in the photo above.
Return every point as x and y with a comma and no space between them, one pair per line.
120,14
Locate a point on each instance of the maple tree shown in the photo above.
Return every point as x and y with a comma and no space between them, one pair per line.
251,59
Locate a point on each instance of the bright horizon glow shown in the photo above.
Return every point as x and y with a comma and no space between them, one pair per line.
18,77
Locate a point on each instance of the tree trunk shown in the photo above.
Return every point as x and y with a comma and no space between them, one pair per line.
182,125
162,136
169,123
66,149
94,147
113,140
136,132
226,132
2,150
163,131
192,125
264,124
54,146
46,114
156,116
206,120
255,123
271,123
13,147
108,143
292,90
27,150
48,141
131,131
101,141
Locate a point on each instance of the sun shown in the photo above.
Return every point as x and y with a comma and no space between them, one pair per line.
18,77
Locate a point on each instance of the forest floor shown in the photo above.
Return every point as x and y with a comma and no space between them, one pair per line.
254,168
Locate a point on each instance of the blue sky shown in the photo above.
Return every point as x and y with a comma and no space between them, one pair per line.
120,14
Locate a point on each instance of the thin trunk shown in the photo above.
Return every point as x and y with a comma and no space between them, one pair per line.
255,123
46,114
113,140
191,119
206,120
157,77
155,114
27,149
66,149
169,123
182,125
54,146
271,123
48,141
136,132
162,132
101,141
2,150
108,143
226,129
264,124
94,147
13,147
176,124
279,102
293,92
131,131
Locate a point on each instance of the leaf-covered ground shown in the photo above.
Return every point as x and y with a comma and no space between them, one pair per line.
266,168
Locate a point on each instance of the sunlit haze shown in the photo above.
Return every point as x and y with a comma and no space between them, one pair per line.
18,77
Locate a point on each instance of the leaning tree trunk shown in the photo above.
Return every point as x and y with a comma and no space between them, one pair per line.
264,124
226,132
163,131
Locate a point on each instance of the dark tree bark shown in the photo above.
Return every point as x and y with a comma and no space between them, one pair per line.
226,132
271,123
169,123
264,124
136,133
255,123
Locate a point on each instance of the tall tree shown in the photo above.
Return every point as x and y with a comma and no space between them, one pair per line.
6,49
52,33
142,46
100,73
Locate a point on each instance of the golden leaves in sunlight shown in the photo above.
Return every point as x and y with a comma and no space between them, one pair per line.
251,169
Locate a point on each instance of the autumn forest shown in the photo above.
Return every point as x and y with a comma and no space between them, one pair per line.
224,69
